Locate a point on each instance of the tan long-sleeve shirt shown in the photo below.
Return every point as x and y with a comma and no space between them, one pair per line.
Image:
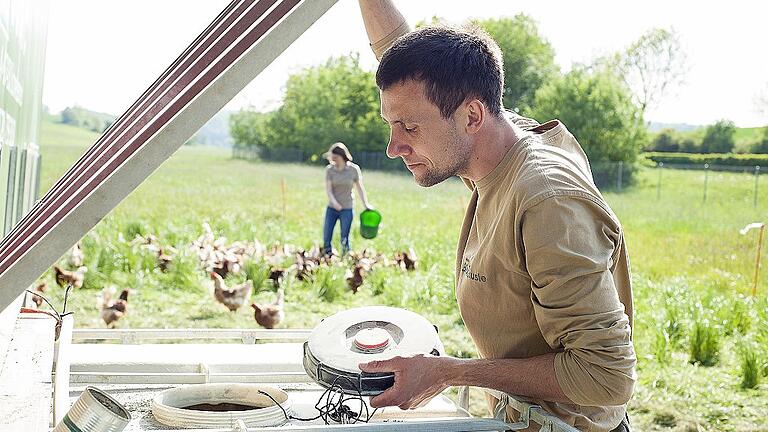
542,267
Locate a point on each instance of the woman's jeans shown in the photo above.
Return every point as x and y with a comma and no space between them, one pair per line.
331,216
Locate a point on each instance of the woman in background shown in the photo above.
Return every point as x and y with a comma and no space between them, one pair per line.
340,175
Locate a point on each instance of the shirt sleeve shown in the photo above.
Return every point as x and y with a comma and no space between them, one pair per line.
570,245
327,174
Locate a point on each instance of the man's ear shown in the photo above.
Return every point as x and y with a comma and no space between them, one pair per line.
475,115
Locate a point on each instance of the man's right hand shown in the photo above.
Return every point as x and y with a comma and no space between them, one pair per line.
337,206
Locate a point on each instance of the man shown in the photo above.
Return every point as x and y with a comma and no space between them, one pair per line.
542,273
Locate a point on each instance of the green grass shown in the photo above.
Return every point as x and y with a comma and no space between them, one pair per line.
689,263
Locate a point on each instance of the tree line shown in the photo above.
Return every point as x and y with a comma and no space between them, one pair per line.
602,103
719,137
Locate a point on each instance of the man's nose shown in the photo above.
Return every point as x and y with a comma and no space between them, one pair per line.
397,148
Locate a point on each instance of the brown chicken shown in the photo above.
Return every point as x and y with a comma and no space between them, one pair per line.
113,311
233,298
41,288
64,277
270,316
305,265
164,259
355,277
276,275
406,260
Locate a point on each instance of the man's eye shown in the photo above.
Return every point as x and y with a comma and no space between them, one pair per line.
411,129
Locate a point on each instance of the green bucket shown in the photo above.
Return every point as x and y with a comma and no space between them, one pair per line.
369,223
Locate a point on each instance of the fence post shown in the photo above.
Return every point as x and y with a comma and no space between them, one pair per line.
619,174
757,178
659,167
706,180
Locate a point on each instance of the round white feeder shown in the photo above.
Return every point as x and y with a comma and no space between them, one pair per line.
206,405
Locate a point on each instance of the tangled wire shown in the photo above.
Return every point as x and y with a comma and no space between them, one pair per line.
333,406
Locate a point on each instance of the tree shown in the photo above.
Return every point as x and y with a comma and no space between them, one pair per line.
665,141
72,116
652,66
248,128
719,137
688,145
529,60
598,109
336,101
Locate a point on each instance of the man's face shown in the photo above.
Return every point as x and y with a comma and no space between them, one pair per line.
431,147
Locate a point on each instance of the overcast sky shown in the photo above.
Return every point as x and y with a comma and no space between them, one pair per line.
103,54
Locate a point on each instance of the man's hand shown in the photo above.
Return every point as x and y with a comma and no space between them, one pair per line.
417,379
337,206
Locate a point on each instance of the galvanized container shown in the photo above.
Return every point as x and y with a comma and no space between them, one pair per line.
94,411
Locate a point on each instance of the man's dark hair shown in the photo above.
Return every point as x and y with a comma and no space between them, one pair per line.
453,63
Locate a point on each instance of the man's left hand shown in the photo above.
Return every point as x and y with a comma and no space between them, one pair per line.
417,379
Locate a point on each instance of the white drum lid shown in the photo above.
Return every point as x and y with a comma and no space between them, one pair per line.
348,338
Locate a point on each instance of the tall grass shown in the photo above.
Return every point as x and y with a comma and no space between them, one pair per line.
704,344
750,367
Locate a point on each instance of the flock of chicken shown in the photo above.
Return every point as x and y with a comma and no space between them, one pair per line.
219,259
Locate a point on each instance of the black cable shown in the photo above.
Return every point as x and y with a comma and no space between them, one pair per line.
333,407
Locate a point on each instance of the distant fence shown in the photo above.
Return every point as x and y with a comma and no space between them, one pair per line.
751,173
614,176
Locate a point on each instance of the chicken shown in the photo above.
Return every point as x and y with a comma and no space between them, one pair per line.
355,277
230,262
113,311
277,275
164,259
148,242
76,256
305,265
233,298
270,316
41,288
406,260
64,277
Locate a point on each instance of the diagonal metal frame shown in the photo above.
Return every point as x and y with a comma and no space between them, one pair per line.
241,42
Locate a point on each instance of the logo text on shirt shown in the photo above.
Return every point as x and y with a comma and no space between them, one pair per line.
466,270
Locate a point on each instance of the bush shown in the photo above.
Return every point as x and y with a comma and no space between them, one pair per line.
665,141
762,145
729,159
719,137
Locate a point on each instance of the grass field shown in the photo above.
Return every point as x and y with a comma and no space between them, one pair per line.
692,270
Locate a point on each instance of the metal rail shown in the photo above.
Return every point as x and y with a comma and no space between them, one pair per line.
133,336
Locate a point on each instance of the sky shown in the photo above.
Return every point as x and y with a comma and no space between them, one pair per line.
103,54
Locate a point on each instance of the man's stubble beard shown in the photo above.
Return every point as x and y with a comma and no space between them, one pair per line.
457,152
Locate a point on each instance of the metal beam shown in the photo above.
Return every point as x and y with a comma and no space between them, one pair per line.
83,197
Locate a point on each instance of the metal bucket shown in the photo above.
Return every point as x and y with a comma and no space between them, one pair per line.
94,411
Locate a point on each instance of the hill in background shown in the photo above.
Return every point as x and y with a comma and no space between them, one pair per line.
215,133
